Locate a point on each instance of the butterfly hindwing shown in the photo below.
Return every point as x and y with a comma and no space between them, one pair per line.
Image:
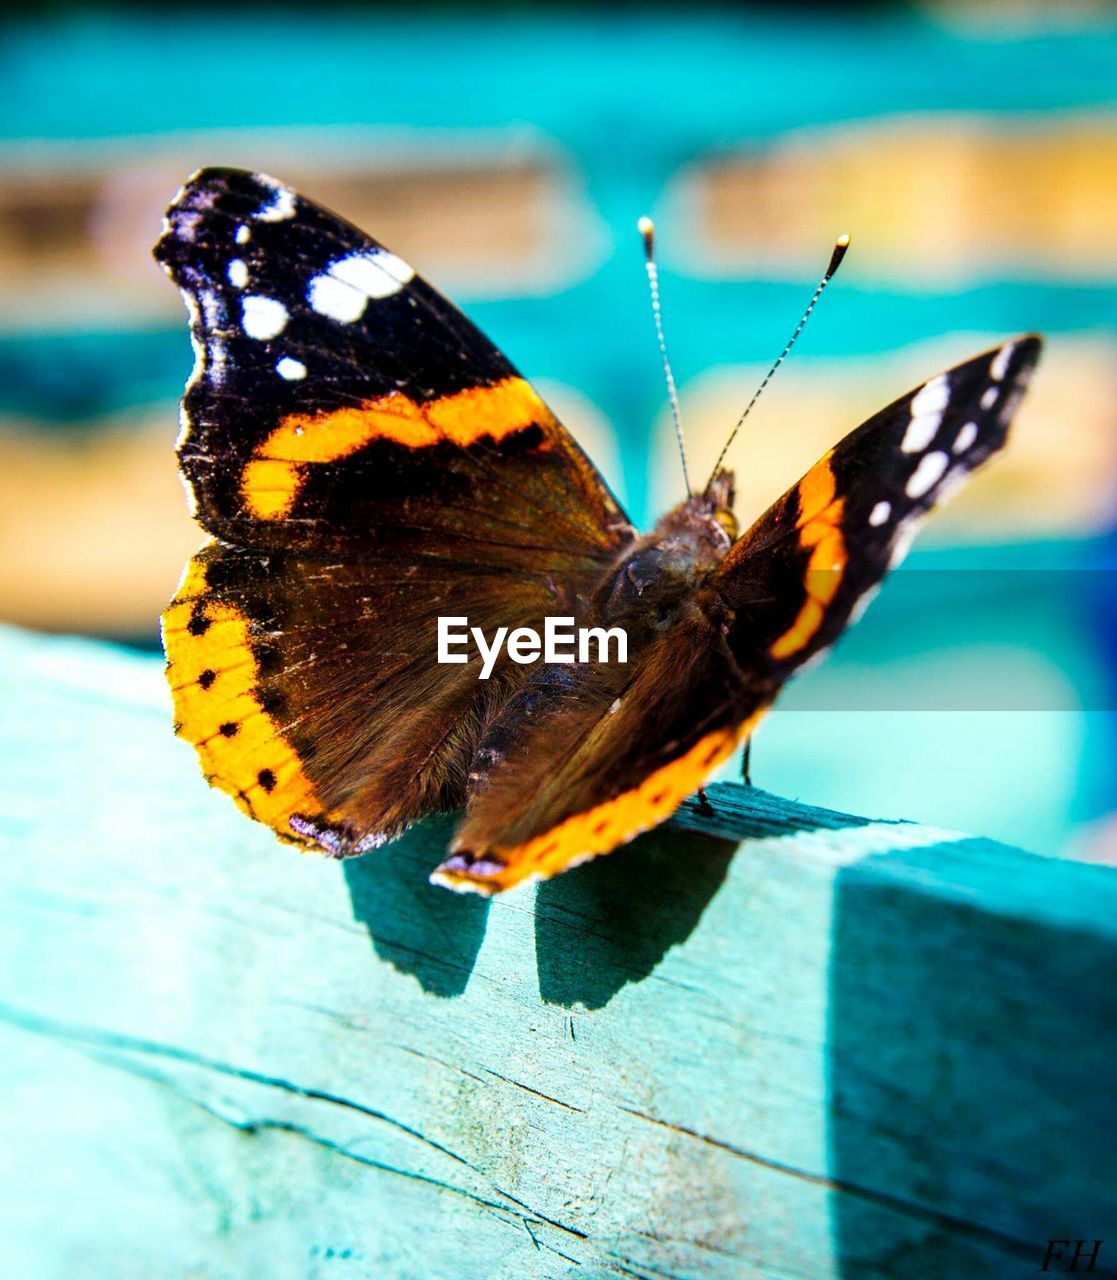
311,693
587,758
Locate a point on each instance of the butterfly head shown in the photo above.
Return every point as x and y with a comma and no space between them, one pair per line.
719,496
704,521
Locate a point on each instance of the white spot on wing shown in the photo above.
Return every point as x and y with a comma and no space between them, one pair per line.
237,272
378,274
998,367
336,300
931,469
291,369
262,317
880,513
927,407
243,234
932,397
965,437
989,397
342,291
282,204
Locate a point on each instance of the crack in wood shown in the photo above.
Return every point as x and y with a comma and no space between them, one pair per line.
116,1042
971,1231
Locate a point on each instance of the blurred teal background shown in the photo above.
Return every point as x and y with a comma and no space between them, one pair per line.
971,150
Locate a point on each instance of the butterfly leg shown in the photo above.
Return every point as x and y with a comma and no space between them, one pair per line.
704,801
746,759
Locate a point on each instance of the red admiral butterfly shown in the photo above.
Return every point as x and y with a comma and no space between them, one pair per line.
366,462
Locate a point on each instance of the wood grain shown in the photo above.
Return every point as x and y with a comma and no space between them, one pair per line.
769,1040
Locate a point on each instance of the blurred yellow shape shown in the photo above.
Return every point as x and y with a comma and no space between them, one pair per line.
93,532
934,199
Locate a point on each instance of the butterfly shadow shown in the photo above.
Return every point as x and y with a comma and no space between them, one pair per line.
611,921
418,928
598,927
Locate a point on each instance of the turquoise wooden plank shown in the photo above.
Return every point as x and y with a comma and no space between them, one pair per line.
774,1041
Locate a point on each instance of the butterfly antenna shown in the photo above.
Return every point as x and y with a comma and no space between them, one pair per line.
840,247
647,231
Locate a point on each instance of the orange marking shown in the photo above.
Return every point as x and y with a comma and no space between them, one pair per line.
213,677
602,828
273,477
819,525
817,490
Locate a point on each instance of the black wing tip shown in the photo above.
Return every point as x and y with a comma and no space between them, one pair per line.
1025,348
1013,360
1022,347
240,194
1028,346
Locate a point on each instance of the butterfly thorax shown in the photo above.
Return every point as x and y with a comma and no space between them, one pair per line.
644,591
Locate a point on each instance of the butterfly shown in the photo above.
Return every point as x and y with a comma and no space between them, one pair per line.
366,462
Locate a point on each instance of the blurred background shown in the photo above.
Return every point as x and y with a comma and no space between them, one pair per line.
969,148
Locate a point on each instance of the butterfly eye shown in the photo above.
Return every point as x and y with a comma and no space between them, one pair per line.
728,522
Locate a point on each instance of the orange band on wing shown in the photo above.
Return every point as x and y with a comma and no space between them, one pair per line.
213,677
272,479
820,529
605,826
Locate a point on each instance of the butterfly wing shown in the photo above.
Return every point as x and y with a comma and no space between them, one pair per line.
586,758
337,397
632,746
368,461
813,561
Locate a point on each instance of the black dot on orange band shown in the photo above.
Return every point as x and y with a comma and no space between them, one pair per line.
268,658
266,779
198,624
207,678
229,729
272,701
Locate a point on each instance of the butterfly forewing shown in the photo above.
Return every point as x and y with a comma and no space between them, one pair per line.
811,563
338,398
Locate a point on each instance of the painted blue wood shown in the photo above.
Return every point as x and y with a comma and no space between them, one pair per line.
771,1040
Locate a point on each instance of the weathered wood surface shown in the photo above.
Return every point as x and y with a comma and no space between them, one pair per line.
846,1048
